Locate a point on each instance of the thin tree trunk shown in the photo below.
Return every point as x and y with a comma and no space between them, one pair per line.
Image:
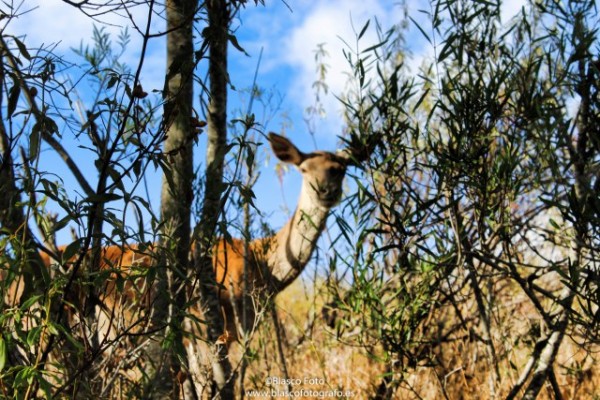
465,253
583,193
176,196
217,36
546,359
12,217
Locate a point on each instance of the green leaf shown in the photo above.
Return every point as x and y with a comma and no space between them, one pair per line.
61,223
2,353
420,29
70,251
13,99
103,198
236,44
374,47
90,120
418,103
34,142
23,376
30,302
447,49
33,336
249,158
52,328
137,168
114,78
76,344
22,48
364,29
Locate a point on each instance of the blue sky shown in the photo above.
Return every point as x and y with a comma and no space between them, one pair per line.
288,34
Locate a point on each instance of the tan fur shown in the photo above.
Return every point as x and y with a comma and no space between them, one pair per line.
272,263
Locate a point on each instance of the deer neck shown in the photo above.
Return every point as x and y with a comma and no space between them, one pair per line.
296,241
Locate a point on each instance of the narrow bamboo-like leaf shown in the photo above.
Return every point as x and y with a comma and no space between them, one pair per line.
103,198
76,344
33,336
420,29
13,99
22,48
52,328
71,250
34,142
364,29
2,353
425,93
30,302
374,47
236,44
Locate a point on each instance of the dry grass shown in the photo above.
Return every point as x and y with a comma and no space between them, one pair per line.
316,359
326,364
461,368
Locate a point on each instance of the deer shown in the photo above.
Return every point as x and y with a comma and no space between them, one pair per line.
275,262
264,266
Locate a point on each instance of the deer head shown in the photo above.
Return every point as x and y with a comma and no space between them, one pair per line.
322,172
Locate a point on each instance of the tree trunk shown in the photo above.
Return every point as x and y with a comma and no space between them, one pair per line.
217,36
176,197
12,217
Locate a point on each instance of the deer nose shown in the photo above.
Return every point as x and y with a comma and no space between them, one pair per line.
337,173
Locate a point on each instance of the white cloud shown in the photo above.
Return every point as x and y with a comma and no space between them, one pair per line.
336,24
54,23
331,21
45,22
289,39
509,8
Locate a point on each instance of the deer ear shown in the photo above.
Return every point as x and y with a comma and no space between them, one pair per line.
347,156
359,149
285,150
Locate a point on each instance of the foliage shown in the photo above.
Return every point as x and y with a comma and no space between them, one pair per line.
116,130
78,329
465,253
485,190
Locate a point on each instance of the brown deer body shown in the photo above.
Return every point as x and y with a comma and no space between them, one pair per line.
272,263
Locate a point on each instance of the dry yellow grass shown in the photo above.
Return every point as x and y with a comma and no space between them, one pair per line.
322,365
332,365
